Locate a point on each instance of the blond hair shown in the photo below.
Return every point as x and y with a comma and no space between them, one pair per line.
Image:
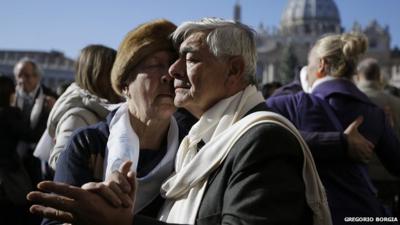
93,71
341,52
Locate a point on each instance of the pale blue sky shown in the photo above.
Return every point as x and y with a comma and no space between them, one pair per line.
69,25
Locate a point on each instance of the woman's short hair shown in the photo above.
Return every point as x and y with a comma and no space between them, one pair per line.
341,52
93,71
225,38
139,43
7,88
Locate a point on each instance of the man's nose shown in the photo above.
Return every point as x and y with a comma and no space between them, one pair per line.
177,69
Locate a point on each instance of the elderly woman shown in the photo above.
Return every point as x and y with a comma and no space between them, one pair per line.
142,129
85,101
333,103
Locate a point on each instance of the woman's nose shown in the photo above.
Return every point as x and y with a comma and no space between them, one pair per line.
166,78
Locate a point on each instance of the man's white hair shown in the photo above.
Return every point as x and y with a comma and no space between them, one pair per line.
225,38
36,68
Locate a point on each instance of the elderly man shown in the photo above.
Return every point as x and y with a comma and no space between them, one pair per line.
239,164
35,101
369,81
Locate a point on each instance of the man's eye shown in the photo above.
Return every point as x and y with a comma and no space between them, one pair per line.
192,60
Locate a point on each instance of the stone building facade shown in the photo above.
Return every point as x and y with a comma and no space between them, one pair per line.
302,23
57,69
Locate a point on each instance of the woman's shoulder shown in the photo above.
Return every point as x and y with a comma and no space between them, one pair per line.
289,103
93,137
84,114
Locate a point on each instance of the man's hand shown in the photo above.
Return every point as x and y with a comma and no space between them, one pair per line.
359,148
118,189
70,204
49,102
389,114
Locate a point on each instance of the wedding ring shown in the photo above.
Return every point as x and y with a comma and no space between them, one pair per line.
61,201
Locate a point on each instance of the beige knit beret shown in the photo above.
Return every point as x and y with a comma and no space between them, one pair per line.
142,41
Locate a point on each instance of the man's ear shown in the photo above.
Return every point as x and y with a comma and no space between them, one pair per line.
236,64
235,72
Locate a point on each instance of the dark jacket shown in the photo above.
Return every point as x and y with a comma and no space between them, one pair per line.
260,182
42,123
349,189
13,128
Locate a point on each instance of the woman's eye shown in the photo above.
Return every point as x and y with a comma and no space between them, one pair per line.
154,66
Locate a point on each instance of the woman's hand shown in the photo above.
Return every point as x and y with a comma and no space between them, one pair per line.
118,189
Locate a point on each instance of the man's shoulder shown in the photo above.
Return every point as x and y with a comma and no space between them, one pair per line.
266,139
47,91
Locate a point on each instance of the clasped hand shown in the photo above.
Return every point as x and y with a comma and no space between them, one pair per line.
100,203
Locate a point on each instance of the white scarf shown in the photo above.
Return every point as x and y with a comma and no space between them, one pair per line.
223,124
123,144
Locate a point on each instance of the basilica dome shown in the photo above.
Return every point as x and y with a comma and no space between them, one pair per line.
310,17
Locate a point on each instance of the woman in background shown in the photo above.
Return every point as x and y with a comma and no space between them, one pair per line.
335,102
85,101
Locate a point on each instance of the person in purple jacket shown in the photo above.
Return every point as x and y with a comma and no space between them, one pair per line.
333,103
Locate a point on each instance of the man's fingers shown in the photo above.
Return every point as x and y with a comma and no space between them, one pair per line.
358,121
61,189
52,213
355,124
52,200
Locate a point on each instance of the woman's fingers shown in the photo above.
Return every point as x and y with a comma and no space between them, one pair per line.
123,196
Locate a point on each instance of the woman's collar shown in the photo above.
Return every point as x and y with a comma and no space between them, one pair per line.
321,81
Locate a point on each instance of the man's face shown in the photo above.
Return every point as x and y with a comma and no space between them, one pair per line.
26,78
199,75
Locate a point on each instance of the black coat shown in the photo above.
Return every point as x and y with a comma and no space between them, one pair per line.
13,128
42,123
260,182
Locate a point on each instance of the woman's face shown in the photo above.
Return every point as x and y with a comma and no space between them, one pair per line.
312,67
151,94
